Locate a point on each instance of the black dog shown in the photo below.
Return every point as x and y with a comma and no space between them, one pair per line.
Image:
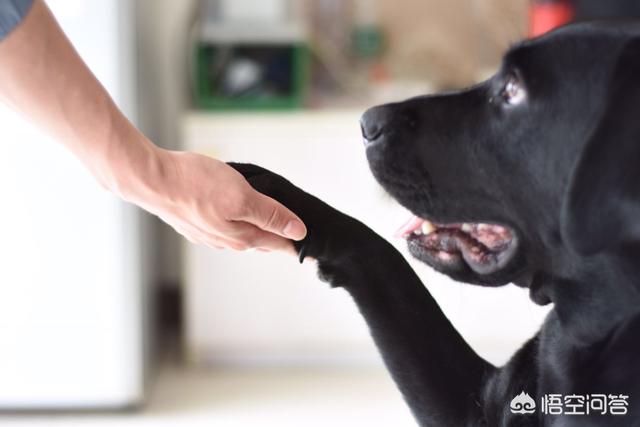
532,178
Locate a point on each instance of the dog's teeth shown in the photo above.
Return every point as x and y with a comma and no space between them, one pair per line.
418,232
427,228
466,227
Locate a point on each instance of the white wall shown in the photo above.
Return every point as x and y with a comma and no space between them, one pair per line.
161,32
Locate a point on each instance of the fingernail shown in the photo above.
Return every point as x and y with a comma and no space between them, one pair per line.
295,230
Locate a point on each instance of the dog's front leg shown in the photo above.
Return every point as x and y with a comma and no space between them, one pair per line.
440,376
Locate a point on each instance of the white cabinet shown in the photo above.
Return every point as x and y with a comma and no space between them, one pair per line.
257,308
71,306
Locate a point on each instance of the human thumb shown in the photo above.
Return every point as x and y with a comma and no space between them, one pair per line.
269,215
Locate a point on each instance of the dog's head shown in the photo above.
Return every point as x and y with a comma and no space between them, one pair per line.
540,161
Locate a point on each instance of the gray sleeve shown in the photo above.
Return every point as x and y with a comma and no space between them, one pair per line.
11,14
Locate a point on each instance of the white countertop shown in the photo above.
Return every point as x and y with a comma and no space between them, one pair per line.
253,398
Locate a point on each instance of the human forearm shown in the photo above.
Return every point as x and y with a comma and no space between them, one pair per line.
43,77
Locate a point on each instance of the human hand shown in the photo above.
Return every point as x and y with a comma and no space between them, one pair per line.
333,236
209,202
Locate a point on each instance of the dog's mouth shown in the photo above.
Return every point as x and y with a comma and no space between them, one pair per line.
484,248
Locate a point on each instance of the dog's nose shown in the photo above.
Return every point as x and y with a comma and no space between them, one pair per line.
373,123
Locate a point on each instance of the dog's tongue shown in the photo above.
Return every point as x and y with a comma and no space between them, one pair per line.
412,225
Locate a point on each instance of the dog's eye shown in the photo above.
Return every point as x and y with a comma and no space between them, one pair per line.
513,92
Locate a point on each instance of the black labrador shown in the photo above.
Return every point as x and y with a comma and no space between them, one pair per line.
532,178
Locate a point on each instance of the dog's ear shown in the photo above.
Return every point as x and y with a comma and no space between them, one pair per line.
602,206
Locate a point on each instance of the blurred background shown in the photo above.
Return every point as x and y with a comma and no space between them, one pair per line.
107,317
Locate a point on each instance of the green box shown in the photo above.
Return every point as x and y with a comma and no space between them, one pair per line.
209,96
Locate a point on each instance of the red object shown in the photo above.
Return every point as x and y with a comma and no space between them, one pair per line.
547,15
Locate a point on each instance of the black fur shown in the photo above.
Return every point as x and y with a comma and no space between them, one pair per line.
562,169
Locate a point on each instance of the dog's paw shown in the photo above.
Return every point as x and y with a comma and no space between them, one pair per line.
330,233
